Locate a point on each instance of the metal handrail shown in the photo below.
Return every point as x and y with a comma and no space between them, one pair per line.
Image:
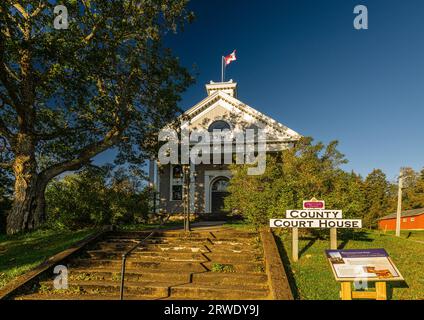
126,254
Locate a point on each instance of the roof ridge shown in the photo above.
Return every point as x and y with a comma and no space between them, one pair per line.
406,213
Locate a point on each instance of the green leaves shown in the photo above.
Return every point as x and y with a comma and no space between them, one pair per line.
96,196
313,170
306,171
108,71
107,81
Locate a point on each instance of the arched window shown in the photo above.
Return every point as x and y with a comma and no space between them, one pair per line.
219,125
220,185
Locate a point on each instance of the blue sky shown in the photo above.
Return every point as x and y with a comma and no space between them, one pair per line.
302,63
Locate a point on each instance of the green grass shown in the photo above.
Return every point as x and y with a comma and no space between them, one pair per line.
411,235
222,268
21,253
239,225
312,279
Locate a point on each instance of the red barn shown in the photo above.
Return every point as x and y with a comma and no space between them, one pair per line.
411,220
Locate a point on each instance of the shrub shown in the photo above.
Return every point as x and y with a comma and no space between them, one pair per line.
305,171
93,198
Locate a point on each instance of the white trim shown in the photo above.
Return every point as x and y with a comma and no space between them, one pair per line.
171,178
157,177
192,187
242,107
219,103
201,104
171,183
206,191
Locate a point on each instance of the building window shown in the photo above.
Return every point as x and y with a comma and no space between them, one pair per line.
219,125
177,193
412,219
405,220
177,181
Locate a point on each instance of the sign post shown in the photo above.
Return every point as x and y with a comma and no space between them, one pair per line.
314,215
333,238
295,244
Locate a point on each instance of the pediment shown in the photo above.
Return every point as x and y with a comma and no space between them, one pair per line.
221,106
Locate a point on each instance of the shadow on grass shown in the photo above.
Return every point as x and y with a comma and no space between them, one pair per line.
390,286
287,268
393,285
308,245
350,235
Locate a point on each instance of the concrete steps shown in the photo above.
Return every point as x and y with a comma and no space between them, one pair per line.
162,275
212,265
178,256
94,297
157,289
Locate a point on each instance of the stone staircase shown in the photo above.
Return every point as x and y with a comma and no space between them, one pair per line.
212,264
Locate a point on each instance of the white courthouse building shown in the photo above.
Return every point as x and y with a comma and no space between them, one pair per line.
204,188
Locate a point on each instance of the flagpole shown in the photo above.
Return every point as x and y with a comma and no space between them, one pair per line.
222,70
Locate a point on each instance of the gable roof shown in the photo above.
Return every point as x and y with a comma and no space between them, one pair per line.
203,105
408,213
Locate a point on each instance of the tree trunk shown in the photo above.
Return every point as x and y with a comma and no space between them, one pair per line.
28,210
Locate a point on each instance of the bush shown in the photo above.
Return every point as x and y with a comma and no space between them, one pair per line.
94,198
306,171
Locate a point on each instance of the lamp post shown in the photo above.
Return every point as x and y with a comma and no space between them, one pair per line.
186,198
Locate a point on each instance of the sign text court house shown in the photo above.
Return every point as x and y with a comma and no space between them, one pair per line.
314,215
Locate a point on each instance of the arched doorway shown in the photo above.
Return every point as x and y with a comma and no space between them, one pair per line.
219,190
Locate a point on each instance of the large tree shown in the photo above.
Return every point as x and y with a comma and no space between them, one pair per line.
377,194
67,95
305,171
413,195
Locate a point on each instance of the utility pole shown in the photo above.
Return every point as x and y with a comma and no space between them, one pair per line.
399,205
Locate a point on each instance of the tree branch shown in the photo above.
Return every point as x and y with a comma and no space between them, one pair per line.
91,35
11,88
84,155
11,73
59,132
40,7
9,85
21,10
16,22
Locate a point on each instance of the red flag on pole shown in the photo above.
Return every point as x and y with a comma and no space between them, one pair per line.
226,61
230,58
